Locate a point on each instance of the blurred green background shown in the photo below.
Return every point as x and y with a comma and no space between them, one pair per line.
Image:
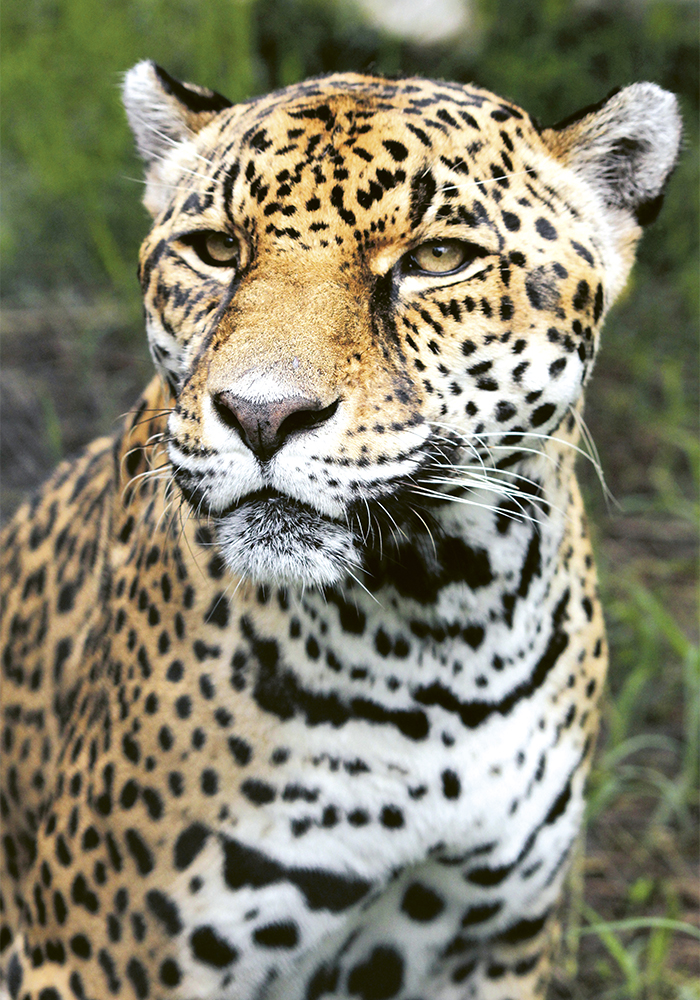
74,356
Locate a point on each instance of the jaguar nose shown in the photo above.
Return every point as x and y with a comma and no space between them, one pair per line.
265,425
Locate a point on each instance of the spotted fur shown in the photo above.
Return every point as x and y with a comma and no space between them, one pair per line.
301,668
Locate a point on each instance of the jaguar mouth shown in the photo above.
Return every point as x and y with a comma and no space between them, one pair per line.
267,497
270,538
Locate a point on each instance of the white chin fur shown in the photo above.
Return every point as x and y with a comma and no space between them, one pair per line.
280,543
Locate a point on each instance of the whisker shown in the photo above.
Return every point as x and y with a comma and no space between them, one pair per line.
175,188
155,473
183,535
501,511
594,456
427,529
393,520
513,495
361,584
168,141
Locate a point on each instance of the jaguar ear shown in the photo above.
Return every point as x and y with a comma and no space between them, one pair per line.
163,113
624,147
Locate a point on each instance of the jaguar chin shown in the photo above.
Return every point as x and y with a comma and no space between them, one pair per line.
273,539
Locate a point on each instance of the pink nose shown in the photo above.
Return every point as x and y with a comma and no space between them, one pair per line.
265,426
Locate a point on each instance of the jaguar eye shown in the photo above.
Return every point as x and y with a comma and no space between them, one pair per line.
215,249
443,256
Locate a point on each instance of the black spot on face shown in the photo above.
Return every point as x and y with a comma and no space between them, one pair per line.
241,750
352,620
188,845
379,977
170,974
278,935
504,411
473,635
140,851
480,913
506,309
358,817
211,949
523,930
542,414
382,643
209,781
598,304
397,151
183,706
423,190
557,367
80,946
451,786
581,296
421,903
175,671
323,981
337,201
129,794
137,975
391,817
107,966
545,229
258,792
218,612
66,597
165,911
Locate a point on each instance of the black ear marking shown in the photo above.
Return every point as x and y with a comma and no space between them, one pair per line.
196,100
647,212
590,109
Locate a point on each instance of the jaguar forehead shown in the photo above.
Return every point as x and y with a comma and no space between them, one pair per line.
320,130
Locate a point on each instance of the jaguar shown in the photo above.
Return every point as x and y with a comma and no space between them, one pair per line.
301,668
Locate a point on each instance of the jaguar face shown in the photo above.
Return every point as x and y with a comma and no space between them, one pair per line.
369,299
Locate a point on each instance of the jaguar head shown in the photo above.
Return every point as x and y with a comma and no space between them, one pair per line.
372,298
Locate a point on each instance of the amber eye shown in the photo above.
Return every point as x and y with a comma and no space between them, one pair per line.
222,247
443,256
215,249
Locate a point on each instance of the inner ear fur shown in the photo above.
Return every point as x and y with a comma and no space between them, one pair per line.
625,148
163,114
162,111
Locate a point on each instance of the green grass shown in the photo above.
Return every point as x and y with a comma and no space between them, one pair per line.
655,774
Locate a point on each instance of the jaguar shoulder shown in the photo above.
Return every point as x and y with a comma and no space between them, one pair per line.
301,669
